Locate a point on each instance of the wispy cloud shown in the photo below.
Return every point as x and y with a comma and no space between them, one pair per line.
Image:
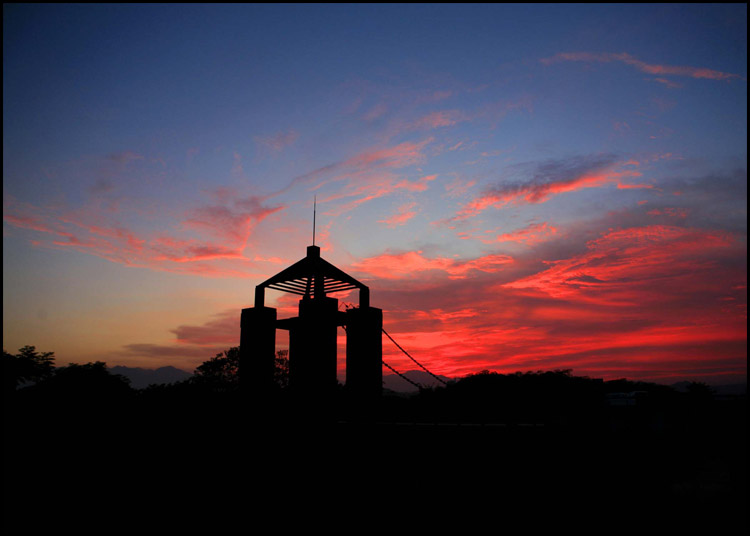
375,112
650,68
529,235
402,215
459,187
363,164
233,221
275,143
210,235
413,263
668,83
380,186
398,156
124,157
443,118
672,212
550,179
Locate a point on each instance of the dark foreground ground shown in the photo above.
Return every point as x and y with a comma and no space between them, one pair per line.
216,468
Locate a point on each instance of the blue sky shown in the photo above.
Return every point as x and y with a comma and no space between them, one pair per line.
161,160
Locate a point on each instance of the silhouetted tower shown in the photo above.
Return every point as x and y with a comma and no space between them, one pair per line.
312,334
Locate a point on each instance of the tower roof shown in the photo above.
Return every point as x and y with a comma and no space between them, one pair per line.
312,276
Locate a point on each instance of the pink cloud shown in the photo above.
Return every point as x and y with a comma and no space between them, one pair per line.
190,250
625,186
412,263
93,232
529,235
222,329
402,215
670,84
444,118
375,112
231,223
121,234
540,190
30,222
238,171
277,142
398,156
672,212
655,69
458,187
367,166
381,186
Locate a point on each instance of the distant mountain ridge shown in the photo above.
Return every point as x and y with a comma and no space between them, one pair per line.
398,384
141,378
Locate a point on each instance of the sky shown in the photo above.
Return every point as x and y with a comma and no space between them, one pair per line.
522,187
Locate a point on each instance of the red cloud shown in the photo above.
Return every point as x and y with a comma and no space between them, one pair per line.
619,266
657,303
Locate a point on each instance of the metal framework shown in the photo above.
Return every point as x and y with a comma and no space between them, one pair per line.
312,277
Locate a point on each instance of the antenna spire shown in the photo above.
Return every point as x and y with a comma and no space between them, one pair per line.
315,207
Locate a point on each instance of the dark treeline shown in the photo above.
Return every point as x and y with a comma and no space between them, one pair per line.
551,398
544,450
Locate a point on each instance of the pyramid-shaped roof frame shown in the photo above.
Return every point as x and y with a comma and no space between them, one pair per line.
312,276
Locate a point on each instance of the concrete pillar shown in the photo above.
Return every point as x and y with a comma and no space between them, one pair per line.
257,350
312,348
364,352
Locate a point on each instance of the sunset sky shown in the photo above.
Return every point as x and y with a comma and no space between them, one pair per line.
523,187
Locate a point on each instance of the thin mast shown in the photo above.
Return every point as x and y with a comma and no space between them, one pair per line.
315,206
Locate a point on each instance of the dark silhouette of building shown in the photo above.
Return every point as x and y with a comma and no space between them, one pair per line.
312,334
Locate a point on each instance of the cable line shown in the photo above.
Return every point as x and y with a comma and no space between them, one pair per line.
417,362
348,306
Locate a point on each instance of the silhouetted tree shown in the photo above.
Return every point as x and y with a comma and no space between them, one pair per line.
281,369
221,373
26,366
91,381
700,390
700,399
542,396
